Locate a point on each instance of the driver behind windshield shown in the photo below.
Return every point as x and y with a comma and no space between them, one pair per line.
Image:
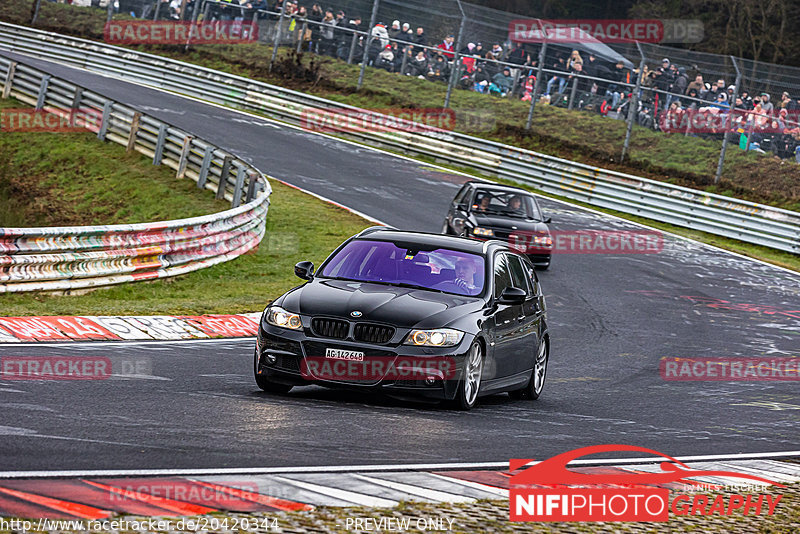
465,274
482,204
515,205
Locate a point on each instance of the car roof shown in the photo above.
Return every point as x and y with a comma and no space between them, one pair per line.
460,244
498,187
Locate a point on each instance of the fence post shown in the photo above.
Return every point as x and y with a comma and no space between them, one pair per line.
101,133
537,83
223,177
456,70
158,154
352,49
40,98
195,16
372,20
572,93
237,190
633,104
403,64
134,129
204,167
35,11
110,12
157,9
12,67
301,40
185,150
752,129
728,120
277,40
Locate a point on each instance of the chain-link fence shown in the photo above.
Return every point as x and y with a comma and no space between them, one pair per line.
730,101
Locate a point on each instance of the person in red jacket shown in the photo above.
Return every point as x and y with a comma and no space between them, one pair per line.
448,48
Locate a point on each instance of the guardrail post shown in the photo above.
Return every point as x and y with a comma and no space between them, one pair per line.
572,93
728,121
237,191
223,177
277,40
536,83
40,98
204,167
158,153
187,146
101,133
633,104
134,130
251,186
12,67
77,98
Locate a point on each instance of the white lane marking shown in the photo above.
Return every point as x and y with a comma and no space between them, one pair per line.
350,496
374,468
500,492
425,493
140,343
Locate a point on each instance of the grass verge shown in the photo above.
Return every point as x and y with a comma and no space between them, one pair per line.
573,135
57,179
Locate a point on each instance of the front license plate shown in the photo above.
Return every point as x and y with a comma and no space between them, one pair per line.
339,354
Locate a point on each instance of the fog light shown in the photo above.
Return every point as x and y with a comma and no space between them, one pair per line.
271,359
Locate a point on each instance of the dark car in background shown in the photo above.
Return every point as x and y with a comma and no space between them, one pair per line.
483,211
411,315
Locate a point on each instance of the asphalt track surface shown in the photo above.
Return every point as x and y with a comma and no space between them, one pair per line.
611,317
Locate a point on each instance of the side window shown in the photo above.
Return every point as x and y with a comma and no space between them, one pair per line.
518,275
502,275
461,197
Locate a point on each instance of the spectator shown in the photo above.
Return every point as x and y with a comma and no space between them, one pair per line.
785,99
385,59
481,78
766,105
518,56
418,66
420,40
498,52
574,58
560,66
395,31
327,34
407,33
314,17
711,94
479,51
747,100
698,86
681,83
447,47
591,66
436,75
502,82
794,105
490,66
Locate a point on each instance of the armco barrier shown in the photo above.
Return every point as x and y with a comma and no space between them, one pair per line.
715,214
81,257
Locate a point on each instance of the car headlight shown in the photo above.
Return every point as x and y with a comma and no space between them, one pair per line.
486,232
440,337
277,316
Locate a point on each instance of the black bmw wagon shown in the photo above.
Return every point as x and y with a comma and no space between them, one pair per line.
412,315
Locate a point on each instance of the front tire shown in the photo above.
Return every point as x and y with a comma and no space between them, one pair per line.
533,389
267,385
470,384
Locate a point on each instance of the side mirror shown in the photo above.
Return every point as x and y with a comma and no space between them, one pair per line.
513,295
304,270
548,220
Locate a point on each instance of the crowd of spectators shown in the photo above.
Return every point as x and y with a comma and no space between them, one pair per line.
674,99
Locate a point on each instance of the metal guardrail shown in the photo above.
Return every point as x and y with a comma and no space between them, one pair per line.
81,257
716,214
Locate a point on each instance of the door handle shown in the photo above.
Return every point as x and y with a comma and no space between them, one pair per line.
521,317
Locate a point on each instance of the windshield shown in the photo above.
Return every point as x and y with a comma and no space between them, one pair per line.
506,203
384,262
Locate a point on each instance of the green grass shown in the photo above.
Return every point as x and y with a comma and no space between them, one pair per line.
578,136
76,179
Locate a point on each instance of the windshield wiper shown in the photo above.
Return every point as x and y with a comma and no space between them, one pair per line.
409,286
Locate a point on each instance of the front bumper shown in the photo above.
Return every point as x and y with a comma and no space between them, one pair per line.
296,357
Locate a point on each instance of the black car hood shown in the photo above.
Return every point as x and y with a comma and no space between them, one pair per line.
509,223
398,306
